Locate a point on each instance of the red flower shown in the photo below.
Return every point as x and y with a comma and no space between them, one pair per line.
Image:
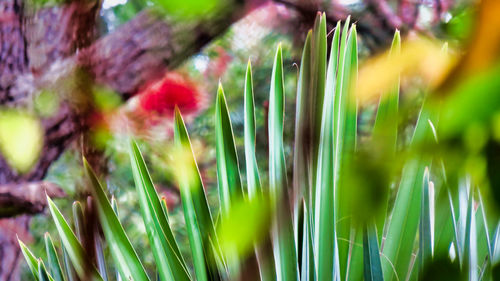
173,89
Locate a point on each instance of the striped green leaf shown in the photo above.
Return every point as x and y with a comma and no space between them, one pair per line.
43,275
398,246
306,255
345,126
75,251
284,243
228,172
30,259
371,254
316,96
425,243
254,188
54,264
201,232
168,259
124,255
325,219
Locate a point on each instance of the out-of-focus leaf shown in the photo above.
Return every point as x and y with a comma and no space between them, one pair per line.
191,9
124,255
76,253
46,103
106,99
284,244
247,221
474,101
201,232
441,268
325,217
21,139
371,257
164,247
482,51
54,265
385,130
379,74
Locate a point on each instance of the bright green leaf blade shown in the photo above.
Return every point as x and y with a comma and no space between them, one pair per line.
325,218
425,243
316,94
398,246
74,249
164,247
200,228
470,249
54,264
124,255
302,156
114,206
78,220
254,188
252,169
284,244
307,267
345,126
30,259
43,275
69,270
228,172
371,255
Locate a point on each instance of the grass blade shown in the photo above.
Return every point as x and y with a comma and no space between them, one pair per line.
228,172
398,246
302,156
470,249
124,255
30,259
75,251
325,219
114,206
199,223
54,265
43,275
264,257
68,267
164,247
78,221
284,244
425,243
317,94
307,268
371,255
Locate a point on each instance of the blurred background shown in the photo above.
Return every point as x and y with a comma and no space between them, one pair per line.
79,77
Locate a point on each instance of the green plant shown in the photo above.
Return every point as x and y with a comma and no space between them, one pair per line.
343,222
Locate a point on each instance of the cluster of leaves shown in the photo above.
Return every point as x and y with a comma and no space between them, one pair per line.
351,216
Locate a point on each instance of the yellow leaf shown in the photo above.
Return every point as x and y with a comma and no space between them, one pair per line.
21,139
